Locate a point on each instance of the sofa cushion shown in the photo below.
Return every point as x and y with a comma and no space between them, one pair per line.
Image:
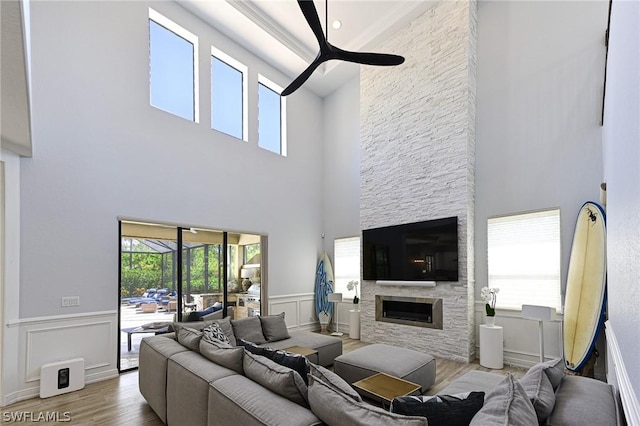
248,329
335,408
554,370
441,410
190,338
274,327
336,382
275,377
506,404
214,332
223,353
597,403
539,390
225,325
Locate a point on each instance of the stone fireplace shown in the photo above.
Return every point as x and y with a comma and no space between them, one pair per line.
417,162
415,311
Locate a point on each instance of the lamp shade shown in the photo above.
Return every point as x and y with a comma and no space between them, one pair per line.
245,273
335,297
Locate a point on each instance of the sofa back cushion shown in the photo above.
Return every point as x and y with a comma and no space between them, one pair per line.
249,329
335,408
189,338
274,327
275,377
223,354
539,390
506,404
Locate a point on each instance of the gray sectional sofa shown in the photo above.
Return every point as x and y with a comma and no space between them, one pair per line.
187,380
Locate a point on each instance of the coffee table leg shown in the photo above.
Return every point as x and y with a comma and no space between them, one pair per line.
129,341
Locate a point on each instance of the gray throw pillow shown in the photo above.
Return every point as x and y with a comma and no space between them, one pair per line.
336,382
225,325
275,377
539,390
274,327
554,370
335,408
248,329
506,404
190,338
223,354
214,332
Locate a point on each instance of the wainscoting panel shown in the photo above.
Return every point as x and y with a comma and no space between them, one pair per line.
621,378
41,340
299,310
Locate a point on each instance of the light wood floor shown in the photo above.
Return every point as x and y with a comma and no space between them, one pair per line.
118,401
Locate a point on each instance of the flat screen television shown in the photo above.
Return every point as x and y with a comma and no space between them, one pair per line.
421,251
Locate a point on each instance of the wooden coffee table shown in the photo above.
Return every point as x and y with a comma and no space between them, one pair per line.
385,387
310,354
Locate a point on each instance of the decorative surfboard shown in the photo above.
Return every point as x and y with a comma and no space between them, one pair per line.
585,300
324,286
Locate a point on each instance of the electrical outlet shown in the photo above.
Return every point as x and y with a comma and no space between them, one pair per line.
70,301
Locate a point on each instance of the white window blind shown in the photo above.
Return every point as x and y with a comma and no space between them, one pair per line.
524,259
346,252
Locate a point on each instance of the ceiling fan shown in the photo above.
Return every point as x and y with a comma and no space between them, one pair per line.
328,51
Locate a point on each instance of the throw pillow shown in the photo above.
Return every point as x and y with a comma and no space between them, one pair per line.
274,327
223,354
506,404
251,347
539,390
335,408
214,332
441,410
554,370
248,329
275,377
225,325
295,362
189,338
336,382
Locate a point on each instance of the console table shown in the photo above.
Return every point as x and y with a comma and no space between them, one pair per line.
491,343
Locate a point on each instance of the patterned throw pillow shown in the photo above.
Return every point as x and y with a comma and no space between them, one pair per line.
445,410
214,332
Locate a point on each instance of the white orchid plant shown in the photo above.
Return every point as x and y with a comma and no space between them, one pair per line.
353,285
488,295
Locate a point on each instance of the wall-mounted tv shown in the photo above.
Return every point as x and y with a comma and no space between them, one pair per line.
421,251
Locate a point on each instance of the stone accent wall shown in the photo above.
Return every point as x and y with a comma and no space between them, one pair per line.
417,163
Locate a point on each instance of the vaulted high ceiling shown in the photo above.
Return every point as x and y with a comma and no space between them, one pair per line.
276,31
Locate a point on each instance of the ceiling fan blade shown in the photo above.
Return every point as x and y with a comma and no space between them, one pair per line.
381,59
311,15
299,81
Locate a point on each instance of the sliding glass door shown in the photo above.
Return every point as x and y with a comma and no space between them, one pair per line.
173,273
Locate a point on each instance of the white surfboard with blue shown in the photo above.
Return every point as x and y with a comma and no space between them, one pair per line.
324,286
586,297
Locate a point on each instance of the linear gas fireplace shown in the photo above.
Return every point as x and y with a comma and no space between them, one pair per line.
416,311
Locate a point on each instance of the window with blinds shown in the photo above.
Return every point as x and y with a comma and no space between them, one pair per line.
524,259
346,265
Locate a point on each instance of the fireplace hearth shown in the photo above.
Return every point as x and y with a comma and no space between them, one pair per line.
415,311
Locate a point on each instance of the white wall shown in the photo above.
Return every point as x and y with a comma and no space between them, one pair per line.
622,174
100,152
341,172
539,103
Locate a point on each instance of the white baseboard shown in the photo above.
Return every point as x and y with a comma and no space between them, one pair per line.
627,394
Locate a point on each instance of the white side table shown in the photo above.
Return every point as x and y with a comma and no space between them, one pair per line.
491,342
354,324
